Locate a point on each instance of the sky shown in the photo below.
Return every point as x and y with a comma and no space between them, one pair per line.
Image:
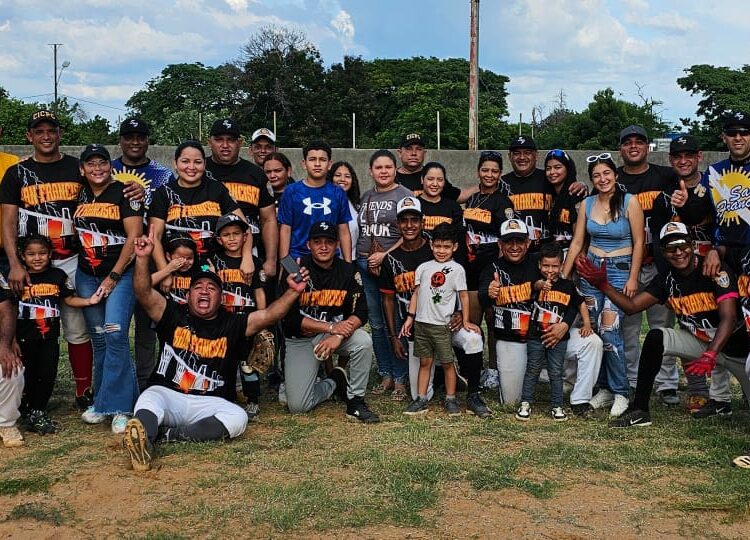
543,46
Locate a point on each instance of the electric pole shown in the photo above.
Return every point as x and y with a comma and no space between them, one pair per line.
474,76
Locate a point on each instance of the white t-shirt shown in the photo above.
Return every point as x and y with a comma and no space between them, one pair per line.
439,284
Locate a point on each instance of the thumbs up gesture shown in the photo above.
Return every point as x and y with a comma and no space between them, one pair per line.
494,288
680,196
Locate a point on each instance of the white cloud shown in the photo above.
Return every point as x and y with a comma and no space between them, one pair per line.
5,26
344,24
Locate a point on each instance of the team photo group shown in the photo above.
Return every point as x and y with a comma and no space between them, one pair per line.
183,289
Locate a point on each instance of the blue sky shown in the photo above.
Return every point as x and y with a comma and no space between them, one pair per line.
542,45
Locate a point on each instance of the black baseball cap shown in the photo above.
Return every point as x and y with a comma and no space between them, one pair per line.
95,150
324,229
411,138
736,119
684,143
522,142
134,125
213,276
231,219
631,131
226,126
42,115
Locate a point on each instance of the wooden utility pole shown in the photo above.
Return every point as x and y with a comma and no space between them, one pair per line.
474,76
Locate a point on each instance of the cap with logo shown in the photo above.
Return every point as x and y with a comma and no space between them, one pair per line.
633,131
736,119
324,229
411,138
95,150
208,274
134,125
513,228
522,142
684,143
409,204
230,219
43,116
263,132
225,126
672,231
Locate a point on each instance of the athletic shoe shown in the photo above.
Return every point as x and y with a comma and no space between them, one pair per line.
669,397
558,414
476,406
743,461
619,406
603,398
139,448
11,437
714,408
253,411
338,376
524,411
632,418
582,410
119,423
90,416
85,400
416,407
451,407
695,403
357,409
40,422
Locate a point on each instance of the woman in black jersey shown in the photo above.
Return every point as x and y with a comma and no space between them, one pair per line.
560,170
437,208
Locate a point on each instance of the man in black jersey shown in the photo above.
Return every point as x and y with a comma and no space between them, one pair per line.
328,319
710,330
412,154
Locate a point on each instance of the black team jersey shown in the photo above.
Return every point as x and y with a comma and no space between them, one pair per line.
562,217
532,199
514,303
331,295
397,274
559,304
413,182
698,214
483,215
695,298
39,305
181,285
237,296
738,260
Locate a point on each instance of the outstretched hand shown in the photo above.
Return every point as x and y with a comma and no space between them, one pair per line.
703,366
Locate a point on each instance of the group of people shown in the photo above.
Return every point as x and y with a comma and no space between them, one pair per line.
218,257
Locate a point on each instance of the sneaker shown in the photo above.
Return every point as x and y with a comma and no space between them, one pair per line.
253,411
357,409
90,416
476,406
418,406
695,403
582,410
139,448
558,414
630,418
119,423
524,411
619,406
714,408
338,376
40,422
85,400
669,397
743,461
451,407
603,398
11,437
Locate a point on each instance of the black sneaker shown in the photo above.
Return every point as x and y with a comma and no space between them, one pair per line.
582,410
713,408
631,418
85,400
451,407
253,411
338,375
417,407
40,422
669,397
357,409
476,405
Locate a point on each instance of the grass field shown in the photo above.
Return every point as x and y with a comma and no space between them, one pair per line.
318,475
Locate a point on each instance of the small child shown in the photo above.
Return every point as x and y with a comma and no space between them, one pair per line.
182,263
239,297
38,328
437,283
557,301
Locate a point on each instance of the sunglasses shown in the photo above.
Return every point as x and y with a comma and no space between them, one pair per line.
594,159
733,132
557,153
675,246
490,154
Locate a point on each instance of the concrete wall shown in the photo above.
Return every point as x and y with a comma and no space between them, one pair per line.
461,164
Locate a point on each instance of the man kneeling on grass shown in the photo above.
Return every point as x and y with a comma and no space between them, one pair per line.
707,311
187,396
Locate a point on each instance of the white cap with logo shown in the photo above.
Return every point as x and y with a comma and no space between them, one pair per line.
513,228
263,132
409,204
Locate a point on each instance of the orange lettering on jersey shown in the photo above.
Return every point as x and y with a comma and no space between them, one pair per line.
98,210
203,347
181,282
564,216
326,297
231,275
692,303
478,214
56,191
514,293
531,201
743,284
208,208
646,199
554,296
430,222
404,282
244,193
40,289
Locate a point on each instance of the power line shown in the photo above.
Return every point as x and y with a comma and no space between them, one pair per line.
77,99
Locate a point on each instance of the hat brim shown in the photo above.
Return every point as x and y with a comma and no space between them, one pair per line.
511,236
240,223
95,154
410,211
205,274
326,235
38,121
675,237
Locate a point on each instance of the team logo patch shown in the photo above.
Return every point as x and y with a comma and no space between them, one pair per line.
358,278
722,279
135,205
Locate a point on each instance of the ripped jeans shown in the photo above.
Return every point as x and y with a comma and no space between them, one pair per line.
606,318
108,322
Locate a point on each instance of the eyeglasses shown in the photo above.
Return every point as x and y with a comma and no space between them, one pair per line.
557,153
733,132
674,246
594,159
490,154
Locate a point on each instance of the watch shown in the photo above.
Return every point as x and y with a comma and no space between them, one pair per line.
114,276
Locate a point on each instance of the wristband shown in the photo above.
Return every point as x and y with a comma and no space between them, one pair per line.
412,315
114,276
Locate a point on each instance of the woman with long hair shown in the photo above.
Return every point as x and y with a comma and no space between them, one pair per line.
560,170
343,175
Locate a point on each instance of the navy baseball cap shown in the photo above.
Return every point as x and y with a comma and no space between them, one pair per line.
226,126
95,150
134,125
324,229
522,142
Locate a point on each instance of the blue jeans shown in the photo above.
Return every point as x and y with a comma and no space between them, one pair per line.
388,365
538,357
607,319
108,322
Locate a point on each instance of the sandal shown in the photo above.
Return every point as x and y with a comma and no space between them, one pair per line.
384,386
398,394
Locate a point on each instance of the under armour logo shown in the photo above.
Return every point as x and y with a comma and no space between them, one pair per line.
134,123
227,124
309,205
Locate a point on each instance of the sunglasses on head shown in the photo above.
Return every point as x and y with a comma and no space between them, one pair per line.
557,153
490,154
593,159
733,132
673,247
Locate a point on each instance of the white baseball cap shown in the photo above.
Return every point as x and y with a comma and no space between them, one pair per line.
513,228
263,132
409,204
674,230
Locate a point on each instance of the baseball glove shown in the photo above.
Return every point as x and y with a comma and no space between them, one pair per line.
261,355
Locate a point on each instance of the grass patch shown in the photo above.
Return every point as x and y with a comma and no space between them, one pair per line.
31,484
39,512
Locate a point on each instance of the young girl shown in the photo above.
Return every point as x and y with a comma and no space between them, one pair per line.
182,263
38,328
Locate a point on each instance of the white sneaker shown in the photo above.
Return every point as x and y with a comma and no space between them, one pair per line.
90,416
603,398
524,411
558,414
119,423
619,406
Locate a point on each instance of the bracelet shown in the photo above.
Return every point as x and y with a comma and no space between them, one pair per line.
412,315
